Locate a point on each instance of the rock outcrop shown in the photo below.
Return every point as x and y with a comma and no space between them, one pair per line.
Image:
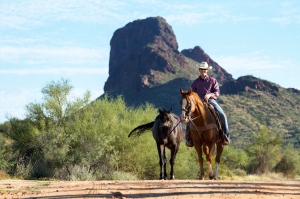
248,83
141,54
199,55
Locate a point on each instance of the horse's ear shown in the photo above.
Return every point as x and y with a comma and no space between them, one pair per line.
190,91
181,90
170,111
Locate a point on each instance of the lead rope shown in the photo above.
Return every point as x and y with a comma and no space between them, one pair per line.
172,129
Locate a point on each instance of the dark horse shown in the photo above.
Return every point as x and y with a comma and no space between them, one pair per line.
166,131
203,130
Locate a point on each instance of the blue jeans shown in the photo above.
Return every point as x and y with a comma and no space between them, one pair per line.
223,117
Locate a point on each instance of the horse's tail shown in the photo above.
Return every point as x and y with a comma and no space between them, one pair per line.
141,129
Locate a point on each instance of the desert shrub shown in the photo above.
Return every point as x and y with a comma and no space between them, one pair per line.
5,154
240,172
120,175
289,163
3,175
24,170
234,158
264,152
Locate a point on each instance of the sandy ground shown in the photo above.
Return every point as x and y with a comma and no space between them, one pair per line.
150,189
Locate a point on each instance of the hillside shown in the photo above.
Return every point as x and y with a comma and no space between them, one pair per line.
146,67
251,102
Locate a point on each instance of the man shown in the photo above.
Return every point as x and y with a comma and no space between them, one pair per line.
208,89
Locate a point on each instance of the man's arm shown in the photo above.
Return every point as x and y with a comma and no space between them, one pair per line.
215,90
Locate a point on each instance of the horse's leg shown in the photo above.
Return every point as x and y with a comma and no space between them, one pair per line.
208,151
174,151
162,160
198,148
218,158
165,163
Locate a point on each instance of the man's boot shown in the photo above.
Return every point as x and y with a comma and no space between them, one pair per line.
189,142
188,139
226,140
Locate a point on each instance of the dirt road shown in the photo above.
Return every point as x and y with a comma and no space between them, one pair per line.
177,189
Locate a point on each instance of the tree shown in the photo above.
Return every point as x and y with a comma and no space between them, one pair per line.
53,135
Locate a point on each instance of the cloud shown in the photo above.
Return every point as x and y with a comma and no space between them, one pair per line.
13,104
48,71
23,14
53,55
251,64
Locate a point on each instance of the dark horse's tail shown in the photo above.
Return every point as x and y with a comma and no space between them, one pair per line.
141,129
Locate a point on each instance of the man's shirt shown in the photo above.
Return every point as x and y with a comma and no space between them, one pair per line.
206,86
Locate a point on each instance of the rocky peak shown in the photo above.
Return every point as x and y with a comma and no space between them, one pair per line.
199,55
140,52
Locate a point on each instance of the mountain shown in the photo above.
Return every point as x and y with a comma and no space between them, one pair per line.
146,66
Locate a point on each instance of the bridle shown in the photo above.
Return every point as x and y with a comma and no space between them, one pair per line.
188,108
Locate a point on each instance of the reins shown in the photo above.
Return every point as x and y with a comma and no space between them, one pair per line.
206,127
191,120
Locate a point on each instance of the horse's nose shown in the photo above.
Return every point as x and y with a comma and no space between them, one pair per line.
182,116
164,126
184,120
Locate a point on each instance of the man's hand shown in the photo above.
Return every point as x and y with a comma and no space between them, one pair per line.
207,96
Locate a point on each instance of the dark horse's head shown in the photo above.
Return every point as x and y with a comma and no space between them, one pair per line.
165,122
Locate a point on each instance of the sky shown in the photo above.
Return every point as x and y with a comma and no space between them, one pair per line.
45,41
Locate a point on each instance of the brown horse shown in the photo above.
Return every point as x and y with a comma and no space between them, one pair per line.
203,130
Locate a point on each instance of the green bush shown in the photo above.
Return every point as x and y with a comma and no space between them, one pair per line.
120,175
289,163
264,152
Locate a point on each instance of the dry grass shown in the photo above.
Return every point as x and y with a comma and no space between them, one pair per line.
3,175
264,177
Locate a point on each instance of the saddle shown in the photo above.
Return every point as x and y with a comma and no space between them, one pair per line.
218,119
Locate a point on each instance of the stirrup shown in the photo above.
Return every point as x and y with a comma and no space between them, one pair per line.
189,143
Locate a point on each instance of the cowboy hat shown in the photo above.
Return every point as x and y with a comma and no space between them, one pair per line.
204,65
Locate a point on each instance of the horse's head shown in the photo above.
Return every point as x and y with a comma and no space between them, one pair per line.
187,105
165,122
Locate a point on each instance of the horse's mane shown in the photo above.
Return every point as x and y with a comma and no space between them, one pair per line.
196,98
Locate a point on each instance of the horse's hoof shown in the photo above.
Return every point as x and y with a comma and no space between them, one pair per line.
211,176
216,178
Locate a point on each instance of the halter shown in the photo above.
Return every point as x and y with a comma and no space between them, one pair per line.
172,129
